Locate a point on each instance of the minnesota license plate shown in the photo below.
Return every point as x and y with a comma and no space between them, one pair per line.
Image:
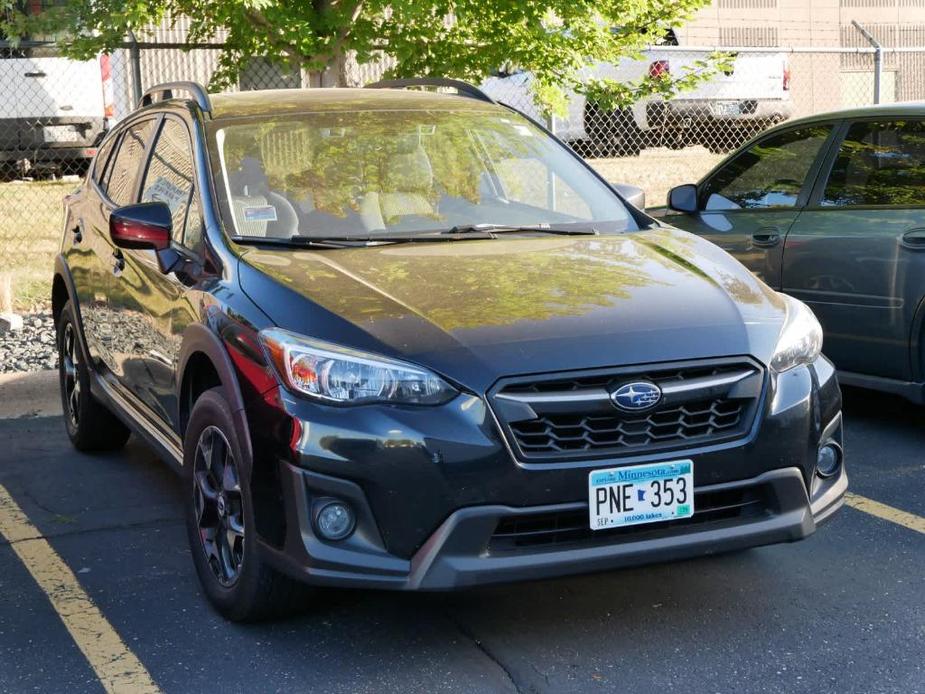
728,108
641,494
60,133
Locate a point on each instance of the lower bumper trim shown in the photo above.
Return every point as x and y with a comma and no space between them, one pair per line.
457,554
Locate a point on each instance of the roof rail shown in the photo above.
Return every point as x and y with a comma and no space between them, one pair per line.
463,88
166,90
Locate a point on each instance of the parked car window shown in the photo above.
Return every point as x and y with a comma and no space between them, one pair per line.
169,177
127,162
879,164
522,177
102,158
770,173
192,236
366,171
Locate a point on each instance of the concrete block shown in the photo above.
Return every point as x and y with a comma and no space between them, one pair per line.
10,321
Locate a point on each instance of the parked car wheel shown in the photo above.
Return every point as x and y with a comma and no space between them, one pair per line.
612,133
90,426
220,519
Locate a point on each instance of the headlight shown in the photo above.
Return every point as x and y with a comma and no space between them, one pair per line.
340,375
800,340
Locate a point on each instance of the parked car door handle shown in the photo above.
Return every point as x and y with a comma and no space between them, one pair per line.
766,237
78,235
915,238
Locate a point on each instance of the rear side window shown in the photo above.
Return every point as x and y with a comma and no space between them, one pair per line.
127,162
879,164
769,174
169,178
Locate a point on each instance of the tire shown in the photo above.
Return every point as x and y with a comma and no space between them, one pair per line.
90,425
220,516
612,133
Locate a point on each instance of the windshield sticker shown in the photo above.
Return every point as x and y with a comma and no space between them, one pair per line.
260,213
163,190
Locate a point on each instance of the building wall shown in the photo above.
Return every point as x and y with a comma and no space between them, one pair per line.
806,23
824,24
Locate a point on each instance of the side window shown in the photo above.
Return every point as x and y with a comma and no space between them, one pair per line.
192,236
169,177
102,158
768,174
879,164
124,173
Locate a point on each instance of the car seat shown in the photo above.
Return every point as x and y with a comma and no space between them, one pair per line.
250,190
407,183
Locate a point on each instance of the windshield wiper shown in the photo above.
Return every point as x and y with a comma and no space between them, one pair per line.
460,232
514,228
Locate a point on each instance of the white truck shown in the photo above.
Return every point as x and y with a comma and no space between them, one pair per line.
720,113
52,110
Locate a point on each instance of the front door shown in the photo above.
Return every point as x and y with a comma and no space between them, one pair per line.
748,205
856,255
155,307
109,343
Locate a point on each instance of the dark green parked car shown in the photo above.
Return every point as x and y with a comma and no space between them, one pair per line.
831,209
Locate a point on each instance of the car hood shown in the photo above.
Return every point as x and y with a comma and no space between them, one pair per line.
478,310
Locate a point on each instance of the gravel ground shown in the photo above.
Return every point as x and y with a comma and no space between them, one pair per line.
29,349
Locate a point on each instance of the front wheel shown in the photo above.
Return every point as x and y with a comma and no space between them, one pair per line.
220,519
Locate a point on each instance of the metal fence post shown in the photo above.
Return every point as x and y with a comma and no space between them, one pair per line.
878,58
134,57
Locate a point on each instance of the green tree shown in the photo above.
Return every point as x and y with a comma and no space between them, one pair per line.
466,39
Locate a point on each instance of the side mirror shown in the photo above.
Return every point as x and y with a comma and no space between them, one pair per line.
145,226
633,195
683,198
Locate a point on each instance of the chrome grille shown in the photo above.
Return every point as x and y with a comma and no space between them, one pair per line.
573,415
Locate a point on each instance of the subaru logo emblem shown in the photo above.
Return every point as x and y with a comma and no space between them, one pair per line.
636,396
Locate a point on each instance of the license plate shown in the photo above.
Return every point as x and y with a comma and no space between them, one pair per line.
641,494
732,108
60,133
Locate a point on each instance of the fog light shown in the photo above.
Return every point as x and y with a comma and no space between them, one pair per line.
828,460
335,520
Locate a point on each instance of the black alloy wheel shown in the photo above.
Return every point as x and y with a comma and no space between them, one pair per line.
218,505
70,380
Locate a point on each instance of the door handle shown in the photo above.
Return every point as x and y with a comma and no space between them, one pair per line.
78,233
914,238
766,237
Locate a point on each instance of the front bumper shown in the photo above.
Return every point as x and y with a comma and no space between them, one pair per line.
435,508
458,553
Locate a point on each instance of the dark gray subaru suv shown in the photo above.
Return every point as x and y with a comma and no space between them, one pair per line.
400,339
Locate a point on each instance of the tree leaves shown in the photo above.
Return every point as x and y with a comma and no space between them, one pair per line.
558,41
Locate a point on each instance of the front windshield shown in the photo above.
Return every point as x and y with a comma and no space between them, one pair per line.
363,173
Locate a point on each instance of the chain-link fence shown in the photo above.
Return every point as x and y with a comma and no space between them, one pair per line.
53,112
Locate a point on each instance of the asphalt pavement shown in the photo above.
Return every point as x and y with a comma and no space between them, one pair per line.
843,611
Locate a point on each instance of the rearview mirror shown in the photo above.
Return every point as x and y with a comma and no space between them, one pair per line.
633,195
683,198
145,226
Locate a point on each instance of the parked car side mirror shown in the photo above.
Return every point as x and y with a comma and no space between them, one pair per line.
683,198
633,195
145,226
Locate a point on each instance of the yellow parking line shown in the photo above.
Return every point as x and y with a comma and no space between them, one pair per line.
894,515
117,668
